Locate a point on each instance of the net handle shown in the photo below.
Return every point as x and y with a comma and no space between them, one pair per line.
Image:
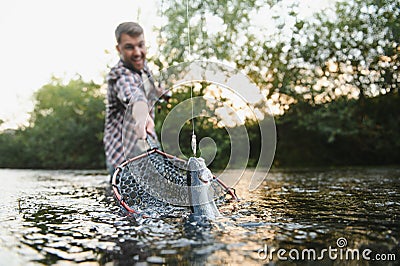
152,141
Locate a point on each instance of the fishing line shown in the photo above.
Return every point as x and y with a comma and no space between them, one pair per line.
155,183
193,141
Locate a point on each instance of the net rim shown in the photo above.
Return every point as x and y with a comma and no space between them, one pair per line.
119,197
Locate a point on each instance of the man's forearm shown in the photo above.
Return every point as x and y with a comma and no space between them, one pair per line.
140,113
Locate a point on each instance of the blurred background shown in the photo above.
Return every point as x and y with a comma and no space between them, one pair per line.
328,70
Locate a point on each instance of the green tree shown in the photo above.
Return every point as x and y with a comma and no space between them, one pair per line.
65,130
203,125
234,32
352,51
347,60
322,72
67,123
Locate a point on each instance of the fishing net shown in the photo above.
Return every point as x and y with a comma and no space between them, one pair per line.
155,183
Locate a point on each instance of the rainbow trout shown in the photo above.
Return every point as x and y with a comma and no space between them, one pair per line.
201,196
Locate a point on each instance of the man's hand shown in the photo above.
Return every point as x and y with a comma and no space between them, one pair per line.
150,126
142,128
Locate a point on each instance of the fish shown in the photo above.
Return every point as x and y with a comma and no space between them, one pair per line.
201,197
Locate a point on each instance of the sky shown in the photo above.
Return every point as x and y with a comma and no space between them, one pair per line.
45,38
62,38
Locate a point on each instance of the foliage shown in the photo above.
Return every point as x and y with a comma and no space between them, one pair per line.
348,64
333,78
353,52
65,129
321,71
232,17
207,127
13,152
342,132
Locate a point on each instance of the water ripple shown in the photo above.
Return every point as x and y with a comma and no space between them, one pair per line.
70,217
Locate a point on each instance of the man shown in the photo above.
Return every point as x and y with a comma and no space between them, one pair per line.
130,87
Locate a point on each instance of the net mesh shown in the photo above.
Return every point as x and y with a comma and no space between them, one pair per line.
155,183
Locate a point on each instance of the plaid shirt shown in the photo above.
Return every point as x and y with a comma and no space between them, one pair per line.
125,88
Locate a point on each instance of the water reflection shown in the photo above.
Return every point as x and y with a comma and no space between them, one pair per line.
64,217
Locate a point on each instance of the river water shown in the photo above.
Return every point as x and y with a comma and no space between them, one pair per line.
347,216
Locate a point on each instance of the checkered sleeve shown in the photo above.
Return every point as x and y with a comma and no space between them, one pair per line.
129,90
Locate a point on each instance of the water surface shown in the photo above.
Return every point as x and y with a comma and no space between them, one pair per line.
71,217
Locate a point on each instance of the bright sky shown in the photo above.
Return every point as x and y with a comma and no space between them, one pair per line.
42,38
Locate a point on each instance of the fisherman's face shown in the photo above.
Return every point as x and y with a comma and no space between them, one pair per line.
132,51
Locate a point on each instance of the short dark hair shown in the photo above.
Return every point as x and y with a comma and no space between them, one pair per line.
133,29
